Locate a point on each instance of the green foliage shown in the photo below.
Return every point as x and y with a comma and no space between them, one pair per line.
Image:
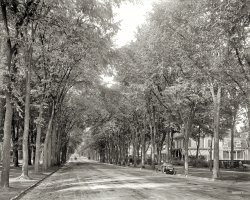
185,49
70,44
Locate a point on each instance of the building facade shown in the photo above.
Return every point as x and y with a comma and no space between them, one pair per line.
241,148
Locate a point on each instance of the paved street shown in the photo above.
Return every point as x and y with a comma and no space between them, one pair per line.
93,181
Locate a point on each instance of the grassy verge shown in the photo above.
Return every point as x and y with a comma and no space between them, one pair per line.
17,185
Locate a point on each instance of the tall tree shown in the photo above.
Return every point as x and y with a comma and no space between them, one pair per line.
9,109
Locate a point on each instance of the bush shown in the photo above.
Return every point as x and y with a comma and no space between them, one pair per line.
200,157
178,162
199,163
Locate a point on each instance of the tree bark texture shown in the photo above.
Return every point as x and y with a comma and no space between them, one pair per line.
15,137
6,142
47,143
1,115
153,133
211,154
217,102
30,150
9,109
58,147
233,121
53,144
38,138
187,130
143,143
198,138
134,148
27,116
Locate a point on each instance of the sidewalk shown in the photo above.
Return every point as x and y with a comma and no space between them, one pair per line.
18,186
225,174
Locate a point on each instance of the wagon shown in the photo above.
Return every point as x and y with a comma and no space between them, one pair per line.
168,168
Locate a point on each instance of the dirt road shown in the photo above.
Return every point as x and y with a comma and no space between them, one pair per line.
88,180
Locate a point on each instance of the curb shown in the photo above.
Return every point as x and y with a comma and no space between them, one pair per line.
22,193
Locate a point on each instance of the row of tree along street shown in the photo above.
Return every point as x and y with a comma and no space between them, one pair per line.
51,51
187,71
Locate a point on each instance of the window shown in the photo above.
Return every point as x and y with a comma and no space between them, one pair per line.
237,143
225,143
234,155
209,143
239,155
225,155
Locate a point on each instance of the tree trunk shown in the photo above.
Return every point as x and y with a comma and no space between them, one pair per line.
38,138
15,157
248,116
58,148
211,155
217,102
168,146
64,153
102,154
171,144
27,116
110,151
163,139
134,148
159,155
143,143
6,142
29,152
33,154
198,144
1,115
152,149
9,110
188,129
47,148
153,133
138,146
53,144
15,136
235,110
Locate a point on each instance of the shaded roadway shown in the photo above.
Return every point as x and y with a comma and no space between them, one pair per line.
90,180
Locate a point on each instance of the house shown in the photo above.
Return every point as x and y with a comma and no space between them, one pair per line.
241,147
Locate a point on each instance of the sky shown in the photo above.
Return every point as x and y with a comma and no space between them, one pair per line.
131,16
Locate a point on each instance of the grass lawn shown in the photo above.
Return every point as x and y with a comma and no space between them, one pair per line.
18,185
